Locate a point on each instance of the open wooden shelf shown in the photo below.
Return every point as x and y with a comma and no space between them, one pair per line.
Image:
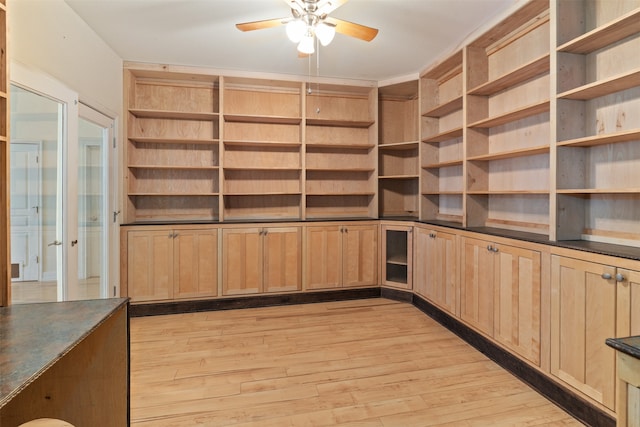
442,193
410,145
441,165
150,140
340,146
262,144
602,139
605,35
341,170
505,192
532,151
340,193
444,136
250,118
398,177
514,115
634,191
340,123
604,87
263,193
182,194
399,259
178,115
262,168
174,167
444,109
537,67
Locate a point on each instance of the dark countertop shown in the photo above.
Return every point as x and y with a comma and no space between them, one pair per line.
620,251
628,345
34,336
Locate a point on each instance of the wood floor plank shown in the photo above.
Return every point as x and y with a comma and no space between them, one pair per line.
373,362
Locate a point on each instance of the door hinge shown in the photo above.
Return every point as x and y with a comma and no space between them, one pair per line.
114,291
115,216
114,142
37,259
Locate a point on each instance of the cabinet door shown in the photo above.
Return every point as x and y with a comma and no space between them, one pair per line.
282,259
242,261
441,264
583,315
628,296
397,256
476,284
195,270
323,257
150,265
423,263
360,255
517,301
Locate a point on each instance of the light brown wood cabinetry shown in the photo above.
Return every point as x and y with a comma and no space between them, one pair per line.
598,125
435,267
500,294
397,255
261,259
172,151
592,300
171,264
341,256
398,168
441,132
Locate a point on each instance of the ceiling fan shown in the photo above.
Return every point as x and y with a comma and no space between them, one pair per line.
309,21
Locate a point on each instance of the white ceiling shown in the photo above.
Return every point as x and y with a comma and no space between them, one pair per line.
413,34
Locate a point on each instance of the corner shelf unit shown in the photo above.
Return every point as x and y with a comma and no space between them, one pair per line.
398,150
598,129
172,154
441,147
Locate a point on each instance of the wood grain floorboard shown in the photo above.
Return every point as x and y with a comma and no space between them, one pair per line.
372,362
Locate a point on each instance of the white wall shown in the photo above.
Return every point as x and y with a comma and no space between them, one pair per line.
47,35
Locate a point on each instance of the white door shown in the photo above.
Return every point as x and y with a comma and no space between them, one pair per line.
25,209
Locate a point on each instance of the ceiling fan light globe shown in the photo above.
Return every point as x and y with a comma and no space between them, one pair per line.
325,33
306,44
296,30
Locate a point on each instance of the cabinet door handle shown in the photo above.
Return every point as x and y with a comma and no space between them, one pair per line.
432,235
606,276
495,249
490,248
619,277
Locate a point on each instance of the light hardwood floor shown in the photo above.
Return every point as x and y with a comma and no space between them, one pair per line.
372,362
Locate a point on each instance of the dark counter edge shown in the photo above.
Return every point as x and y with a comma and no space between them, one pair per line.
620,251
561,396
621,345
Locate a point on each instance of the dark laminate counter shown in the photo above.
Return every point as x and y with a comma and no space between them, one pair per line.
34,338
627,345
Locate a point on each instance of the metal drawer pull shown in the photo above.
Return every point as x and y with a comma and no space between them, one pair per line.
619,278
606,276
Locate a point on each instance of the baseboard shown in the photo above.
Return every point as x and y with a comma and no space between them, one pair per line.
561,396
396,294
231,303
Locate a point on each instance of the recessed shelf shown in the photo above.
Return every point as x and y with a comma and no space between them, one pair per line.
602,139
177,115
341,170
604,191
340,123
262,168
442,193
250,118
341,193
184,194
444,136
544,149
149,140
604,87
409,145
445,109
537,67
264,193
505,192
514,115
605,35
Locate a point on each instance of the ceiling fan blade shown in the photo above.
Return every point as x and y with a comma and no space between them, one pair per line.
327,6
358,31
259,25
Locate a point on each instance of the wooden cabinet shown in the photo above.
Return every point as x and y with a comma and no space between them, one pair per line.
165,264
261,259
398,148
341,152
441,133
172,151
435,267
592,300
598,124
397,255
500,294
341,256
